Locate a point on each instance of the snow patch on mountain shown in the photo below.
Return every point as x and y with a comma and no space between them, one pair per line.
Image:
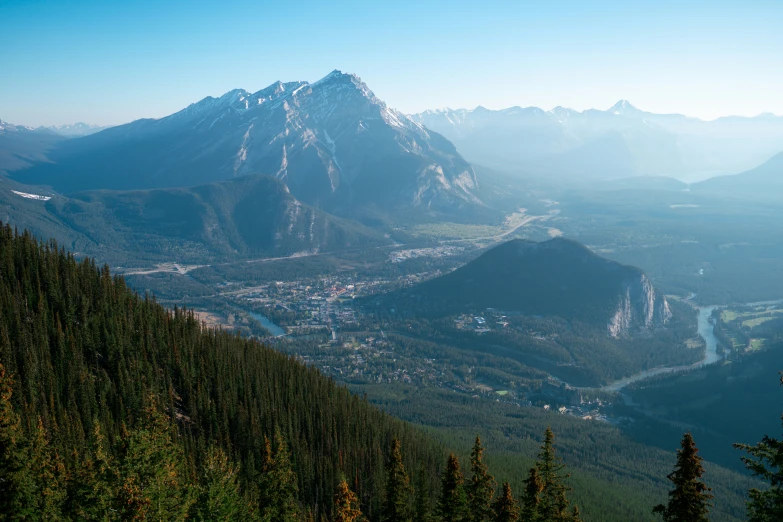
32,196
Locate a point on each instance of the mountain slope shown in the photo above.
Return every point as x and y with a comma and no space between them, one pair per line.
765,182
558,278
333,142
86,353
248,216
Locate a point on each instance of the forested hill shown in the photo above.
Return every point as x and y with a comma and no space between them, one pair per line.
101,378
558,277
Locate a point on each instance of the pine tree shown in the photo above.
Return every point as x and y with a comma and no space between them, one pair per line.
48,471
506,508
453,502
396,502
94,490
279,488
346,504
531,500
421,502
689,500
481,488
152,479
219,495
765,461
17,488
576,516
553,504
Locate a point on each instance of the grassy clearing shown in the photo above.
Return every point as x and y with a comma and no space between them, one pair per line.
751,323
455,231
728,316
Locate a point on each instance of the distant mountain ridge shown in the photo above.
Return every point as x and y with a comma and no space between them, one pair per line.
621,141
764,183
333,142
559,277
22,146
76,129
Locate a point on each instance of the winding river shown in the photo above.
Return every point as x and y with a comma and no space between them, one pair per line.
705,328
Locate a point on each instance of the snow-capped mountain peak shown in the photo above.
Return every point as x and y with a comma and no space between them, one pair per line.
332,142
623,108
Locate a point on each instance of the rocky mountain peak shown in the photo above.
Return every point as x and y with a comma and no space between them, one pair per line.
332,142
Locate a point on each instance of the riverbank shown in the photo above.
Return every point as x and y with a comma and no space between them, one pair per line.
711,355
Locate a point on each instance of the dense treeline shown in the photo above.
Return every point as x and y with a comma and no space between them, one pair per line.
85,354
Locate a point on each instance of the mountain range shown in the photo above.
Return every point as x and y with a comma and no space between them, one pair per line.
622,141
22,147
333,143
555,278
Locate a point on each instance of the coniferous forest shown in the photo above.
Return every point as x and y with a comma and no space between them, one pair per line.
115,408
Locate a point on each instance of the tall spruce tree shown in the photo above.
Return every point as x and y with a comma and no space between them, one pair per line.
152,480
396,502
279,485
17,488
531,498
219,496
765,461
94,489
689,501
553,504
481,487
346,504
421,501
49,474
453,502
506,508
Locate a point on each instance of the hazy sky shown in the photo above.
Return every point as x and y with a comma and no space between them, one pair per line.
109,62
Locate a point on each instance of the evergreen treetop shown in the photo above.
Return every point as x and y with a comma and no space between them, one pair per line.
553,504
346,504
765,460
689,501
453,502
506,508
481,487
396,503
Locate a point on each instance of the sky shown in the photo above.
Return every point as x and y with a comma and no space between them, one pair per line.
107,62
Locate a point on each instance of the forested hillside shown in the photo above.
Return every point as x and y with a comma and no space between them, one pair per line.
97,374
251,216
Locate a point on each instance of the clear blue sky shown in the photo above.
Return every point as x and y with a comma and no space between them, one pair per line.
109,62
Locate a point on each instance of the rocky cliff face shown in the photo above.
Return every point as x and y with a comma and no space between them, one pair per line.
639,309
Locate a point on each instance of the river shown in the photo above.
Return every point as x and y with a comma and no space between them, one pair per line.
269,325
705,328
